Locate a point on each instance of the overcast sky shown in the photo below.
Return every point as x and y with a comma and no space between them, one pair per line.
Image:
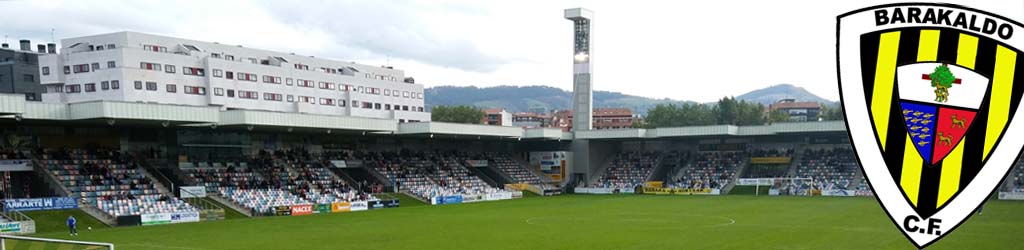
685,50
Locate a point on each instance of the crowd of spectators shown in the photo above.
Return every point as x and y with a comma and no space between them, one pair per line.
282,178
109,180
709,170
628,170
513,169
833,168
428,174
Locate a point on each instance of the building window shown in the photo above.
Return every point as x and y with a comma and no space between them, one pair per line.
387,92
229,75
248,94
193,71
170,69
307,99
95,66
150,66
327,85
110,46
138,84
154,48
215,55
111,64
90,87
193,90
405,108
288,81
301,66
291,98
355,104
104,85
420,109
341,102
229,57
304,83
376,106
46,71
218,73
272,97
171,88
67,70
151,86
218,91
115,84
367,105
231,93
272,79
74,88
81,68
405,94
387,106
246,77
327,101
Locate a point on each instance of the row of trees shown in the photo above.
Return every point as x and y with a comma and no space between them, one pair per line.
728,110
457,114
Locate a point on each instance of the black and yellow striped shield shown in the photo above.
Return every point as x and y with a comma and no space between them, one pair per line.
930,93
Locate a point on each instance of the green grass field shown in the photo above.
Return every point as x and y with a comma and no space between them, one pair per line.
581,222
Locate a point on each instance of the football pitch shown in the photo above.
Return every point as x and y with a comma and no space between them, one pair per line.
580,222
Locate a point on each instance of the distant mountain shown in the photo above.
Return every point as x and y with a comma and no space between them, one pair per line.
775,93
544,98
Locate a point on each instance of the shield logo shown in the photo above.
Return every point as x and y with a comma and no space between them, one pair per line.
930,93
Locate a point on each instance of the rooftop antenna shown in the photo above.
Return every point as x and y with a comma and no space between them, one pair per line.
53,38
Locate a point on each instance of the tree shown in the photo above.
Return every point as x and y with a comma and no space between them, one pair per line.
457,114
671,115
829,113
778,116
942,80
727,110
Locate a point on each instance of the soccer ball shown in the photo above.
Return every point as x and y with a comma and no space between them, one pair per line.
90,228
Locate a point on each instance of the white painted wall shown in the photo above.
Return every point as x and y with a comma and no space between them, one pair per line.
129,54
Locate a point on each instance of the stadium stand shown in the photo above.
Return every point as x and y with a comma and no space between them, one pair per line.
709,170
629,170
833,168
427,174
278,178
1017,182
765,170
513,169
110,181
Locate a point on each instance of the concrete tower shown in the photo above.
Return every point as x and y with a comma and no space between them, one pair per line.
582,93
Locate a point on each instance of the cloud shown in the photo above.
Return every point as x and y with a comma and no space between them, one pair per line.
395,29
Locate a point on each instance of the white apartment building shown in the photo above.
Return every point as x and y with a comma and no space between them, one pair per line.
137,67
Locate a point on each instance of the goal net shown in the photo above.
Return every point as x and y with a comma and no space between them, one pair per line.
10,242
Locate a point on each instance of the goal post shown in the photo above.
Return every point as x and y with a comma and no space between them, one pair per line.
22,242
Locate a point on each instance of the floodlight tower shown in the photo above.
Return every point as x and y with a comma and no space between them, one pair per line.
582,93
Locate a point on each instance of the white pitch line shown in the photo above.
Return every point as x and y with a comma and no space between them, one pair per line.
163,247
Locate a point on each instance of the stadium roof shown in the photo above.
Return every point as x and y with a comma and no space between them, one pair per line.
149,114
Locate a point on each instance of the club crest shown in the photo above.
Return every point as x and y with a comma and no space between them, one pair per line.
931,92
